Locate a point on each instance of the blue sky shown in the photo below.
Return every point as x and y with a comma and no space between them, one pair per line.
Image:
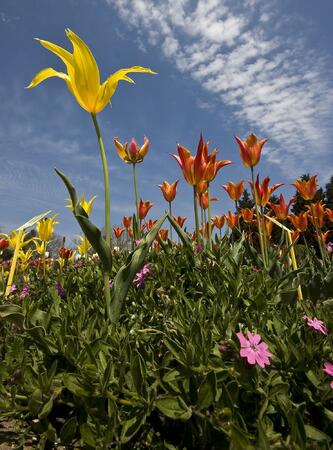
224,67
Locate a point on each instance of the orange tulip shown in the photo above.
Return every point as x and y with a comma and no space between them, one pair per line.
324,236
264,191
231,219
294,235
317,213
202,187
250,149
169,191
118,231
163,234
150,223
180,220
130,232
234,191
306,189
144,207
203,200
127,221
211,165
192,167
300,222
132,154
247,214
218,221
268,228
329,214
281,209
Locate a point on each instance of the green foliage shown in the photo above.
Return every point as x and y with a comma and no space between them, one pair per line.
168,374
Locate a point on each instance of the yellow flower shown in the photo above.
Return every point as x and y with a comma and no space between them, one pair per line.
25,257
40,246
83,246
87,206
12,239
45,228
82,77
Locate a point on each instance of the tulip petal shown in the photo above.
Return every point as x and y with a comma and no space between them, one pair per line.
47,73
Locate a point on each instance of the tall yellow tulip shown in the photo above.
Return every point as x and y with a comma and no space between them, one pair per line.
45,228
87,206
82,77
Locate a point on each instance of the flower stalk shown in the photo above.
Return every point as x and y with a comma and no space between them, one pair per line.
261,239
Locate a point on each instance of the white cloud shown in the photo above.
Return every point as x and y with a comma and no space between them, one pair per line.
241,52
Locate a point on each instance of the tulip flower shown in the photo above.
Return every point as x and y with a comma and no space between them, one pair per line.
87,206
118,231
300,222
263,191
218,221
317,213
281,209
45,228
180,220
203,200
150,223
4,243
13,237
65,253
234,191
211,165
247,215
329,214
232,220
127,221
82,77
169,191
163,234
144,207
268,228
132,153
192,167
250,149
83,246
306,188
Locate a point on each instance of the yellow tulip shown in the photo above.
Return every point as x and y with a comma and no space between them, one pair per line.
40,246
45,228
12,239
83,246
87,206
24,257
82,77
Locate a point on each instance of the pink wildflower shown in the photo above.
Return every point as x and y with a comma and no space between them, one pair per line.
316,324
328,368
25,291
13,288
140,277
254,351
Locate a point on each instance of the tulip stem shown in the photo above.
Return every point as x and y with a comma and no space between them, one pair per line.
258,219
107,211
319,236
170,222
196,215
209,221
137,231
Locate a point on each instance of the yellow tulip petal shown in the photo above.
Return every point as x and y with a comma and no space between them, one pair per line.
86,77
109,86
47,73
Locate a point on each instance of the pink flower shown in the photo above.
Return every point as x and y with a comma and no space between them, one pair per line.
140,277
25,291
252,350
328,368
316,324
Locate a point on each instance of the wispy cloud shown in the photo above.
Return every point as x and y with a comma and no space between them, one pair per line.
245,56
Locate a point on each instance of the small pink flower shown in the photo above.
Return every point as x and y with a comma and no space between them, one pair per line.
254,351
25,291
316,324
328,368
141,276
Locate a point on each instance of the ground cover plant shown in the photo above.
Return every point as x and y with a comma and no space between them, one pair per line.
220,338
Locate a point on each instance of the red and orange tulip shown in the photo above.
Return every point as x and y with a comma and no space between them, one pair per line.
149,224
281,209
263,191
132,153
180,220
65,253
250,149
247,215
118,231
234,191
329,214
306,189
218,221
192,166
300,222
169,191
144,207
4,243
127,221
231,219
317,213
203,200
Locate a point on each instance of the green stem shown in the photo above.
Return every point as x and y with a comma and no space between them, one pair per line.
203,228
209,221
196,215
319,237
107,211
138,231
258,219
264,234
170,213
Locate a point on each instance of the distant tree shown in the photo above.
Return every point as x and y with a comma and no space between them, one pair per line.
245,201
329,194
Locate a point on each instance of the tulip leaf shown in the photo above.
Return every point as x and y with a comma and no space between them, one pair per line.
125,276
92,233
181,233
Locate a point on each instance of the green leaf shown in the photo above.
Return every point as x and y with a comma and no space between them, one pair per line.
262,438
207,391
126,274
87,435
173,407
131,427
74,385
68,431
315,434
13,313
181,233
138,372
47,408
92,233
